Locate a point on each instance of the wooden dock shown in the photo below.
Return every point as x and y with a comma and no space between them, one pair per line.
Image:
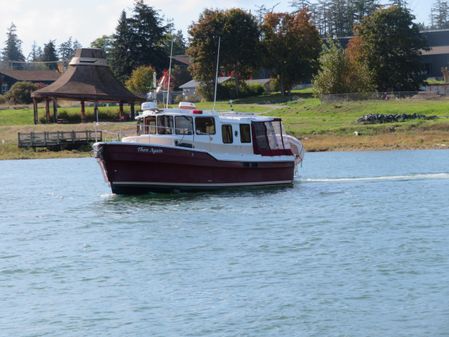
58,140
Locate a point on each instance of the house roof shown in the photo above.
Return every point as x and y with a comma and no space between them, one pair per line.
31,75
261,81
184,59
88,78
195,83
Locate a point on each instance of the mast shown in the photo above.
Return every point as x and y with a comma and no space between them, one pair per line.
216,72
169,74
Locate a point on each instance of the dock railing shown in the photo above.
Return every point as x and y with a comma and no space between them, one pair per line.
58,139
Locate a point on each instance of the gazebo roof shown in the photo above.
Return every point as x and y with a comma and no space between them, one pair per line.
88,78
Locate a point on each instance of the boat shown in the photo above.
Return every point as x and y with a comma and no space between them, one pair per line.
188,149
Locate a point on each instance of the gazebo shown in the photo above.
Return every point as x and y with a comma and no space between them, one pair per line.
88,78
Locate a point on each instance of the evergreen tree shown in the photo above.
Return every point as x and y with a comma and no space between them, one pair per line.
50,56
35,54
363,8
67,50
13,47
399,3
340,18
299,5
439,16
122,62
179,43
148,33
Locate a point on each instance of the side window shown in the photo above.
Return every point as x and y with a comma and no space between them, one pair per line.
245,133
205,125
165,125
184,125
226,132
150,125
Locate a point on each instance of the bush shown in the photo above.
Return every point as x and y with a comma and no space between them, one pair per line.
20,92
2,99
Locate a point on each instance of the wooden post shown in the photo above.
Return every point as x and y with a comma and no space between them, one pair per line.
83,113
35,110
55,110
120,111
47,110
132,111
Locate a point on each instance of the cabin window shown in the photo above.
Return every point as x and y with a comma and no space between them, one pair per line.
205,125
245,133
184,125
165,125
150,125
226,132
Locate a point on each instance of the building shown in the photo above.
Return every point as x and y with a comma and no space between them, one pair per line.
438,56
435,58
9,76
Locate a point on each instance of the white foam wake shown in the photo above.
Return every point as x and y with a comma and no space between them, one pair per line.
425,176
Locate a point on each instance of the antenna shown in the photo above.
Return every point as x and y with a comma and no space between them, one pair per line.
169,74
216,72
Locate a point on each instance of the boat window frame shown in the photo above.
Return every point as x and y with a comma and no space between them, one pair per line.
200,133
167,128
147,128
229,133
249,139
178,130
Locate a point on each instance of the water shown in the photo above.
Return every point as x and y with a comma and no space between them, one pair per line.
358,247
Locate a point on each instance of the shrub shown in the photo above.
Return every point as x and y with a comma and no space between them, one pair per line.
2,99
20,92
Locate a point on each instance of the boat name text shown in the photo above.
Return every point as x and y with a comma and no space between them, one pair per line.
149,150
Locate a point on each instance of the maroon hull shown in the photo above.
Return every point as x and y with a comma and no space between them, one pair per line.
137,168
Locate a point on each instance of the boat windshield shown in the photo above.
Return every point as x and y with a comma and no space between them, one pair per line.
268,136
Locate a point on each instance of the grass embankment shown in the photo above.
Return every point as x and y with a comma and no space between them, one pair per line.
321,126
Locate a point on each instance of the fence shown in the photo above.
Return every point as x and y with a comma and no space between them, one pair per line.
59,139
384,96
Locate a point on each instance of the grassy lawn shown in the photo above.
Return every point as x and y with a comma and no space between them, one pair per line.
322,126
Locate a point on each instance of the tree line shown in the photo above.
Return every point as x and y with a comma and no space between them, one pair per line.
48,55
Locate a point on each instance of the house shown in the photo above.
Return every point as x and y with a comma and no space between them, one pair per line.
8,77
190,89
433,59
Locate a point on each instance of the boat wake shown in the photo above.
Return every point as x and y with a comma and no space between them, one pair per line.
425,176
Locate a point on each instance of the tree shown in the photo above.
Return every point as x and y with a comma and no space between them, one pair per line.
341,73
67,50
13,46
363,8
141,80
291,46
36,53
179,43
122,62
104,42
439,16
239,34
399,3
138,40
20,92
391,45
147,37
50,56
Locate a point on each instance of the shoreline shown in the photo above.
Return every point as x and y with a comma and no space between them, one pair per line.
416,140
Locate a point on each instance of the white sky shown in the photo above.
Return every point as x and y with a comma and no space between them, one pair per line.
85,20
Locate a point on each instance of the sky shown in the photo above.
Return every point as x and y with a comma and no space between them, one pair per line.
86,20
